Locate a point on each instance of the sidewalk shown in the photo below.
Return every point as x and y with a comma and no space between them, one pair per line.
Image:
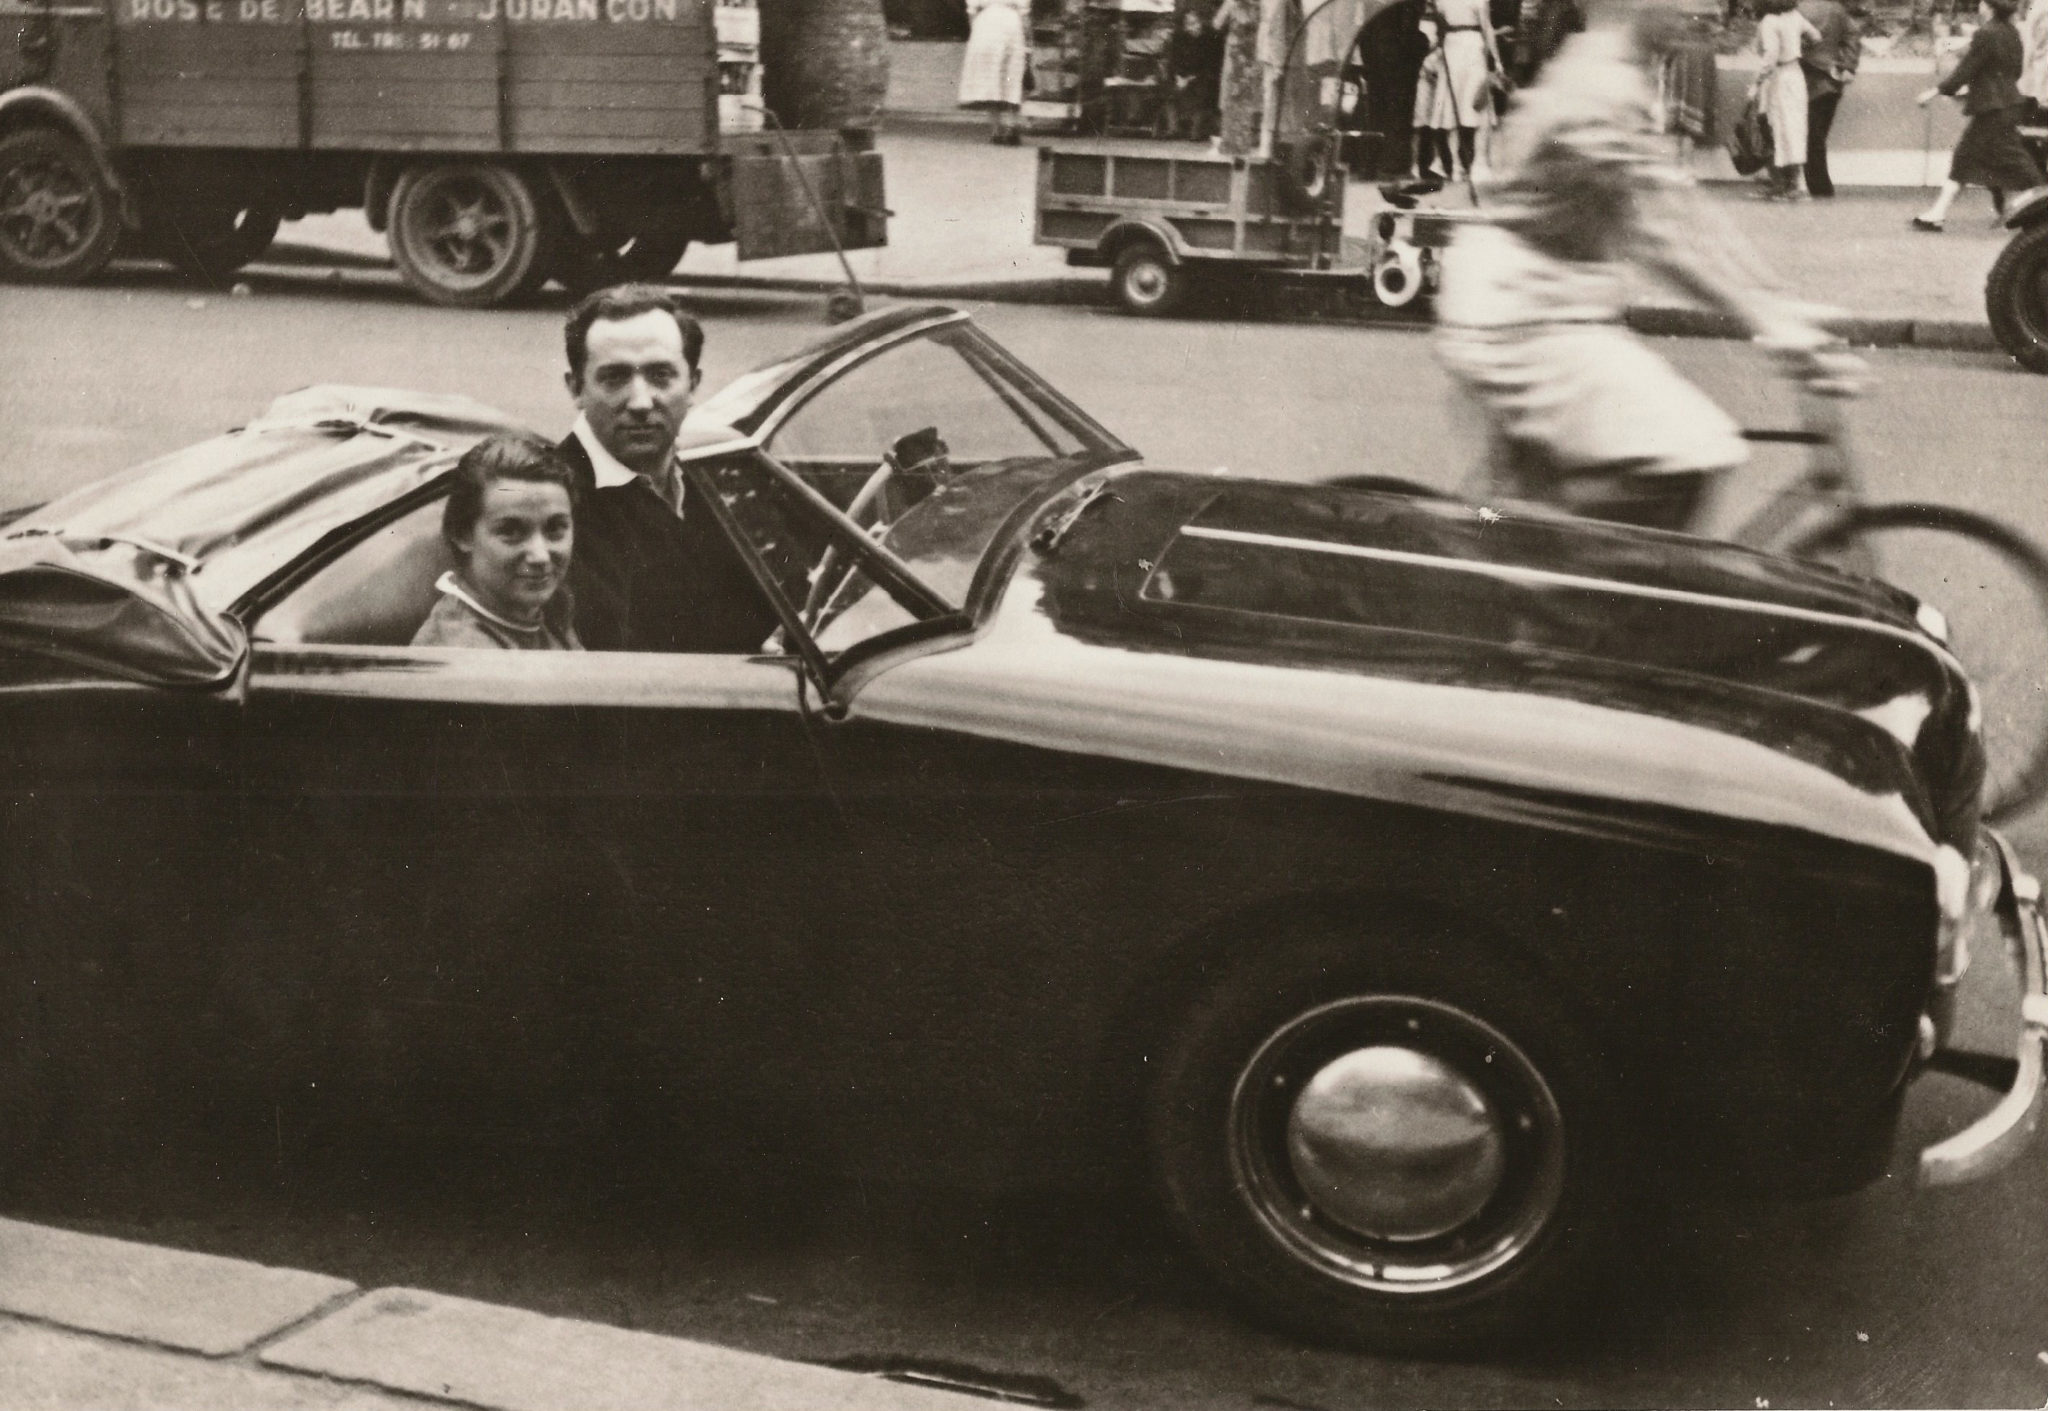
95,1324
963,224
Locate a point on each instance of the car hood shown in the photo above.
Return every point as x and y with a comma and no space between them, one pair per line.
1657,656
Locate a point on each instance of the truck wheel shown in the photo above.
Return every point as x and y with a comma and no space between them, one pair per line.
2016,298
209,243
1149,284
59,220
586,264
1394,1140
467,234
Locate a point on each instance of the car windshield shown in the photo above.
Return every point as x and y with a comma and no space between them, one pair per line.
931,444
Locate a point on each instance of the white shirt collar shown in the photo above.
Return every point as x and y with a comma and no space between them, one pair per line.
608,470
451,585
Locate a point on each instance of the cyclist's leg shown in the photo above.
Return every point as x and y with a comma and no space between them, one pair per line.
1630,494
1596,421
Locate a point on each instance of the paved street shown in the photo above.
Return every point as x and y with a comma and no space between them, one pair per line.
1890,1298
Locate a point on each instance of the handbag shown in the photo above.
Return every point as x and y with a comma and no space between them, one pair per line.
1749,140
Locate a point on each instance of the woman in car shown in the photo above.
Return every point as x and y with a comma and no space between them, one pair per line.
510,520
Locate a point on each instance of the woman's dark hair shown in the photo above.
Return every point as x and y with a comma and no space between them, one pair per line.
512,455
2004,9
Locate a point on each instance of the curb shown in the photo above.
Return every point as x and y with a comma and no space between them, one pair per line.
1655,320
90,1321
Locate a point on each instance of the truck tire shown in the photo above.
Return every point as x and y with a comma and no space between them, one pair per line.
585,264
469,235
209,243
59,220
1148,283
2016,298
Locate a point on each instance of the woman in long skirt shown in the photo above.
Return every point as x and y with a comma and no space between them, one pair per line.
992,73
1782,86
1989,153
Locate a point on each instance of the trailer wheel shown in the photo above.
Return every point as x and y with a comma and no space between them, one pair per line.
585,264
59,220
209,243
467,234
1149,284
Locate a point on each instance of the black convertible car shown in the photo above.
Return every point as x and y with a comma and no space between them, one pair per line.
1393,889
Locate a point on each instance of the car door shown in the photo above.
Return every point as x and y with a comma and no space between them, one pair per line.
489,869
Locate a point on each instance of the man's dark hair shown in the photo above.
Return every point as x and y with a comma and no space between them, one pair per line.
2003,9
512,455
623,301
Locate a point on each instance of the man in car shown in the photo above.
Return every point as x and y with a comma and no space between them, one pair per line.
652,572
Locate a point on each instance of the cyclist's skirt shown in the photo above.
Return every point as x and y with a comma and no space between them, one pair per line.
1539,343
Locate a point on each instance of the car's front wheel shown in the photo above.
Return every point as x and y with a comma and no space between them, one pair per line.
1394,1142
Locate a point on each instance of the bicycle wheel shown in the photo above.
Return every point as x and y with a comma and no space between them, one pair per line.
1991,584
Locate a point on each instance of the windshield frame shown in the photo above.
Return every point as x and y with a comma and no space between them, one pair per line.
983,356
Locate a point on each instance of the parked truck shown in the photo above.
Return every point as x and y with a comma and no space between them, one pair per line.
497,143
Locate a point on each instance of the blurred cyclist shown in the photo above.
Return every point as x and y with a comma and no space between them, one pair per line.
1582,413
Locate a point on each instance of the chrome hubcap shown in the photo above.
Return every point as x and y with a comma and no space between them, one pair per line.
1393,1144
1397,1143
1147,283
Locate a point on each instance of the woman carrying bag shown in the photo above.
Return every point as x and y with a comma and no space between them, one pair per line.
1467,58
1781,35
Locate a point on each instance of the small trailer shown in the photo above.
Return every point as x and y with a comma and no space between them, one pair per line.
1169,219
497,143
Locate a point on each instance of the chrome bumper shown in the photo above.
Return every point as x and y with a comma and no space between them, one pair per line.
2001,1134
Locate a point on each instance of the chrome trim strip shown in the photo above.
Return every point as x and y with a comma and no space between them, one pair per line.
1997,1138
1552,578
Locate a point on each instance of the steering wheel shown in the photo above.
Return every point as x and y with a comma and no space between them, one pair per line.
834,567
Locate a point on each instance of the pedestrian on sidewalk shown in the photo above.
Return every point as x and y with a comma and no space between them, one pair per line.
1781,36
1460,96
1195,64
1828,60
1989,153
992,70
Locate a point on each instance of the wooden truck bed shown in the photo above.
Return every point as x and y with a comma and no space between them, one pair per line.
606,77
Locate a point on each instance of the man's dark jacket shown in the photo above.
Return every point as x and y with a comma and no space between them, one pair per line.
646,581
1831,59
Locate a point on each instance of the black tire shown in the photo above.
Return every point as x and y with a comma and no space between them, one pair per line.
1476,1244
59,219
583,265
468,235
1148,283
2016,297
1991,586
208,244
